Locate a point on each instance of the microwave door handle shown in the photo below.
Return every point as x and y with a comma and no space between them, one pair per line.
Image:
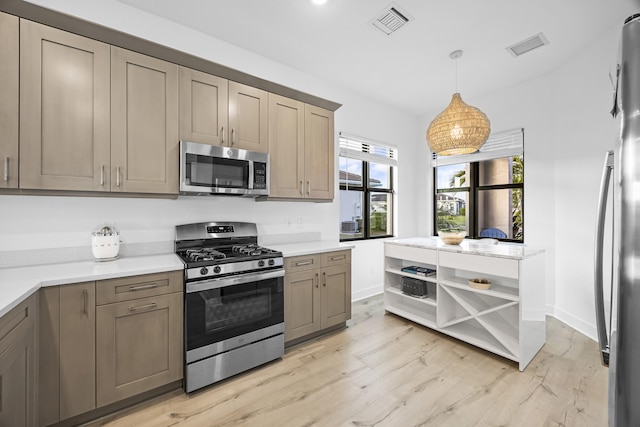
603,340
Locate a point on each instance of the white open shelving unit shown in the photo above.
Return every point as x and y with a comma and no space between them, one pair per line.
508,319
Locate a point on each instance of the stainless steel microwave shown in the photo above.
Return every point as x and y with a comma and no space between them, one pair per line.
211,169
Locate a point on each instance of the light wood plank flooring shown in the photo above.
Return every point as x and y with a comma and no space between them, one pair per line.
385,371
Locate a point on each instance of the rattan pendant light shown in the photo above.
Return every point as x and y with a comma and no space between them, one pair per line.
460,128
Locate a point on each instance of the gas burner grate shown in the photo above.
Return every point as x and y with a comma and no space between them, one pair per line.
204,254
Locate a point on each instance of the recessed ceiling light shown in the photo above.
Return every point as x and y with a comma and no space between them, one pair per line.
319,2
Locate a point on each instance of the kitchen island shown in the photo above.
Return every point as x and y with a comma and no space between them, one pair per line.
427,282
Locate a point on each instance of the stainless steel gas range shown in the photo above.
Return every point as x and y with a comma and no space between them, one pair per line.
234,301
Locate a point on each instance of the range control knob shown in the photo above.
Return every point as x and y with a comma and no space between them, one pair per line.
271,262
204,271
261,263
217,269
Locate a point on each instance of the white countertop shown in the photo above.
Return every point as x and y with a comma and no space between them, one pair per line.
313,247
17,284
471,246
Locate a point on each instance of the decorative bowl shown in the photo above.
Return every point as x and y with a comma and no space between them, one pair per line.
483,284
452,237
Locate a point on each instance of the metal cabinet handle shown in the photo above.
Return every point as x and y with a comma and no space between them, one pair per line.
85,297
222,135
307,262
301,189
101,175
233,137
317,280
144,307
324,279
308,188
143,287
337,257
6,169
117,176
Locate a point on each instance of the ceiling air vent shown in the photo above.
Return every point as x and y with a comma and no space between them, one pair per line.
528,45
391,19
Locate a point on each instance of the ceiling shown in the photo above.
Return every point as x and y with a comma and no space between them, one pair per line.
409,69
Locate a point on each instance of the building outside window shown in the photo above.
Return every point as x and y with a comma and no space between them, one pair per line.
482,193
366,174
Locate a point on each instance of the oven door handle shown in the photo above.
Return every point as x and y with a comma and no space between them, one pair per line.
239,279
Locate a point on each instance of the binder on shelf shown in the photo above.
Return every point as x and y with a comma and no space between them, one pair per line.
420,271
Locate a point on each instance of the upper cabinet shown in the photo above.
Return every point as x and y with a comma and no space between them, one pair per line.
204,111
9,67
64,110
95,117
216,111
144,123
318,152
248,118
301,148
286,147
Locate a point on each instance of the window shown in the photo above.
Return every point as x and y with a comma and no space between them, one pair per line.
482,193
366,174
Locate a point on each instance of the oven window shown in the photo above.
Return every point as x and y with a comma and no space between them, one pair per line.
223,312
218,314
217,172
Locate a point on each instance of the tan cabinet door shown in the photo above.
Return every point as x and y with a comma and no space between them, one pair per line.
204,110
138,346
302,303
319,149
336,295
17,366
286,147
9,106
77,349
144,124
64,110
248,118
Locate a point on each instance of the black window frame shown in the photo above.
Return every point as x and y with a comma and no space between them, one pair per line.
366,202
473,189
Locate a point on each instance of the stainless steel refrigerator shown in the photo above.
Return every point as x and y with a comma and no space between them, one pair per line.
619,321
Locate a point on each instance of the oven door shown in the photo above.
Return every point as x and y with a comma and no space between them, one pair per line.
224,313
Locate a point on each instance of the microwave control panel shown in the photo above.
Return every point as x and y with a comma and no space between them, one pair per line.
259,175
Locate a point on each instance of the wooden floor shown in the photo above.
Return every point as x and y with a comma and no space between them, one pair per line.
385,371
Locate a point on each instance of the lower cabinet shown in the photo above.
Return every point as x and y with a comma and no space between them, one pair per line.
317,293
105,341
67,363
18,366
139,346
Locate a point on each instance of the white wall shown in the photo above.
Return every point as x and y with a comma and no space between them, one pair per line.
40,223
567,130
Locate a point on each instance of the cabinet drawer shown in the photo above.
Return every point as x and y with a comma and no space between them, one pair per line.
481,264
335,258
17,321
134,287
409,253
301,263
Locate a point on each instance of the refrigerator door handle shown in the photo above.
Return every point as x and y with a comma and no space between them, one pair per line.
603,339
